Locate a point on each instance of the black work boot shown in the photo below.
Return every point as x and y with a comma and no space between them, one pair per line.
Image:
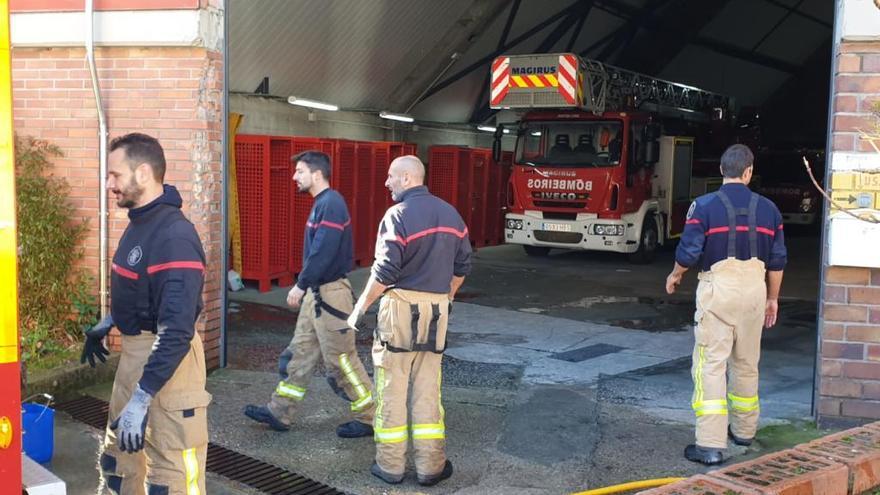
261,414
437,478
354,429
745,442
703,455
391,479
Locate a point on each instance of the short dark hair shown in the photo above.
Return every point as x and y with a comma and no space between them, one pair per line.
141,148
316,161
735,160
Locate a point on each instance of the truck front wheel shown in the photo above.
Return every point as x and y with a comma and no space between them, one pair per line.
536,250
648,242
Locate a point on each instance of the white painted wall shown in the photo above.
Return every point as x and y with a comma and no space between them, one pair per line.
860,20
272,116
203,28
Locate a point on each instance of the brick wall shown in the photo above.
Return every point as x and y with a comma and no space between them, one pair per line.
174,94
849,370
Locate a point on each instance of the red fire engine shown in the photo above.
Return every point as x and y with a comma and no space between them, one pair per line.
10,400
603,156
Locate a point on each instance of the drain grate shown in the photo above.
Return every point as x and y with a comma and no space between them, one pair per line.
246,470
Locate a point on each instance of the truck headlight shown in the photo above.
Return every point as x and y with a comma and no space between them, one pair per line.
514,224
606,229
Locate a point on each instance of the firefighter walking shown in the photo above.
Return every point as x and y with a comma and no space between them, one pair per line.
324,297
422,256
157,437
736,238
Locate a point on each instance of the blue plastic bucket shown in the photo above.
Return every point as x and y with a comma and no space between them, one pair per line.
38,423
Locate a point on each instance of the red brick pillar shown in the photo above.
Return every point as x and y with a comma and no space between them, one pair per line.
174,93
849,323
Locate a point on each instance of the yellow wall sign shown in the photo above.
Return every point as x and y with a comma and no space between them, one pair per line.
853,190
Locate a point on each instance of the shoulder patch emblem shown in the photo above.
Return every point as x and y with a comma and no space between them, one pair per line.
134,256
691,210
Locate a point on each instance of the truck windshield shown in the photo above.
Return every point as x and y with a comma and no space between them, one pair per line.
570,144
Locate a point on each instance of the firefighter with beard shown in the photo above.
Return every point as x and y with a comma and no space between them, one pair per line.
157,437
324,297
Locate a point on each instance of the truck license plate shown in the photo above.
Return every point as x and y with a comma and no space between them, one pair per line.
557,227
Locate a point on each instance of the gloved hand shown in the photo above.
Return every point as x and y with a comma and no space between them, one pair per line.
132,423
356,318
94,345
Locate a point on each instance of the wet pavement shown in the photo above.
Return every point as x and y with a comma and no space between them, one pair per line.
563,373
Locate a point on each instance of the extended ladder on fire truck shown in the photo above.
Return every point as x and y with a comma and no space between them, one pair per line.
634,148
597,87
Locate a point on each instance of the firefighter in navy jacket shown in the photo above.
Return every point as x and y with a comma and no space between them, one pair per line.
157,436
735,238
423,254
324,298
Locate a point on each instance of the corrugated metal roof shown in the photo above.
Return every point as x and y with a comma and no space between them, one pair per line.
348,52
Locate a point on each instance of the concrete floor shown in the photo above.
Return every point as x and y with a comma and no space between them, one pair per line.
563,373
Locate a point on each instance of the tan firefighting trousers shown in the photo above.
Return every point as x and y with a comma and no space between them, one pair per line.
731,301
176,444
410,338
329,337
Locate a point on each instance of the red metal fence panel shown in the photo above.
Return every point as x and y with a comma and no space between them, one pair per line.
476,185
264,209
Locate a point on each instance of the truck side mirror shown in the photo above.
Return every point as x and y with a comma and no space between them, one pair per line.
652,152
653,131
496,143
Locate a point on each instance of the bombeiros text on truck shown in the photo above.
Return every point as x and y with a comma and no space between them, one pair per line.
603,156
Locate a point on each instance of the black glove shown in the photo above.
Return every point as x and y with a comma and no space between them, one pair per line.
94,346
132,423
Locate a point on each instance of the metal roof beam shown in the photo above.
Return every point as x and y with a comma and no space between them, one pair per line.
575,34
776,26
705,42
488,58
794,10
653,52
481,109
484,91
461,36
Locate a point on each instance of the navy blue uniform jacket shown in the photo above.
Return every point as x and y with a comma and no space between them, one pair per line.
422,243
328,252
156,284
706,230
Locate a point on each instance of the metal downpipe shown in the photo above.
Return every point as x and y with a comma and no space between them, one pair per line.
102,155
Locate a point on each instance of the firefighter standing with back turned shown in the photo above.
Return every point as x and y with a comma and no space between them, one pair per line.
157,438
736,237
423,254
324,296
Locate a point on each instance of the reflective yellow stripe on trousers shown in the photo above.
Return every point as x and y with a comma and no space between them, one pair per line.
290,391
191,465
698,376
429,432
743,404
705,407
380,434
364,397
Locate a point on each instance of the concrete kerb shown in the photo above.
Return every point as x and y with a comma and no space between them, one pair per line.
66,382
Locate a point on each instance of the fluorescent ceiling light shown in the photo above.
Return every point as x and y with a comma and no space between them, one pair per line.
396,116
293,100
490,129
